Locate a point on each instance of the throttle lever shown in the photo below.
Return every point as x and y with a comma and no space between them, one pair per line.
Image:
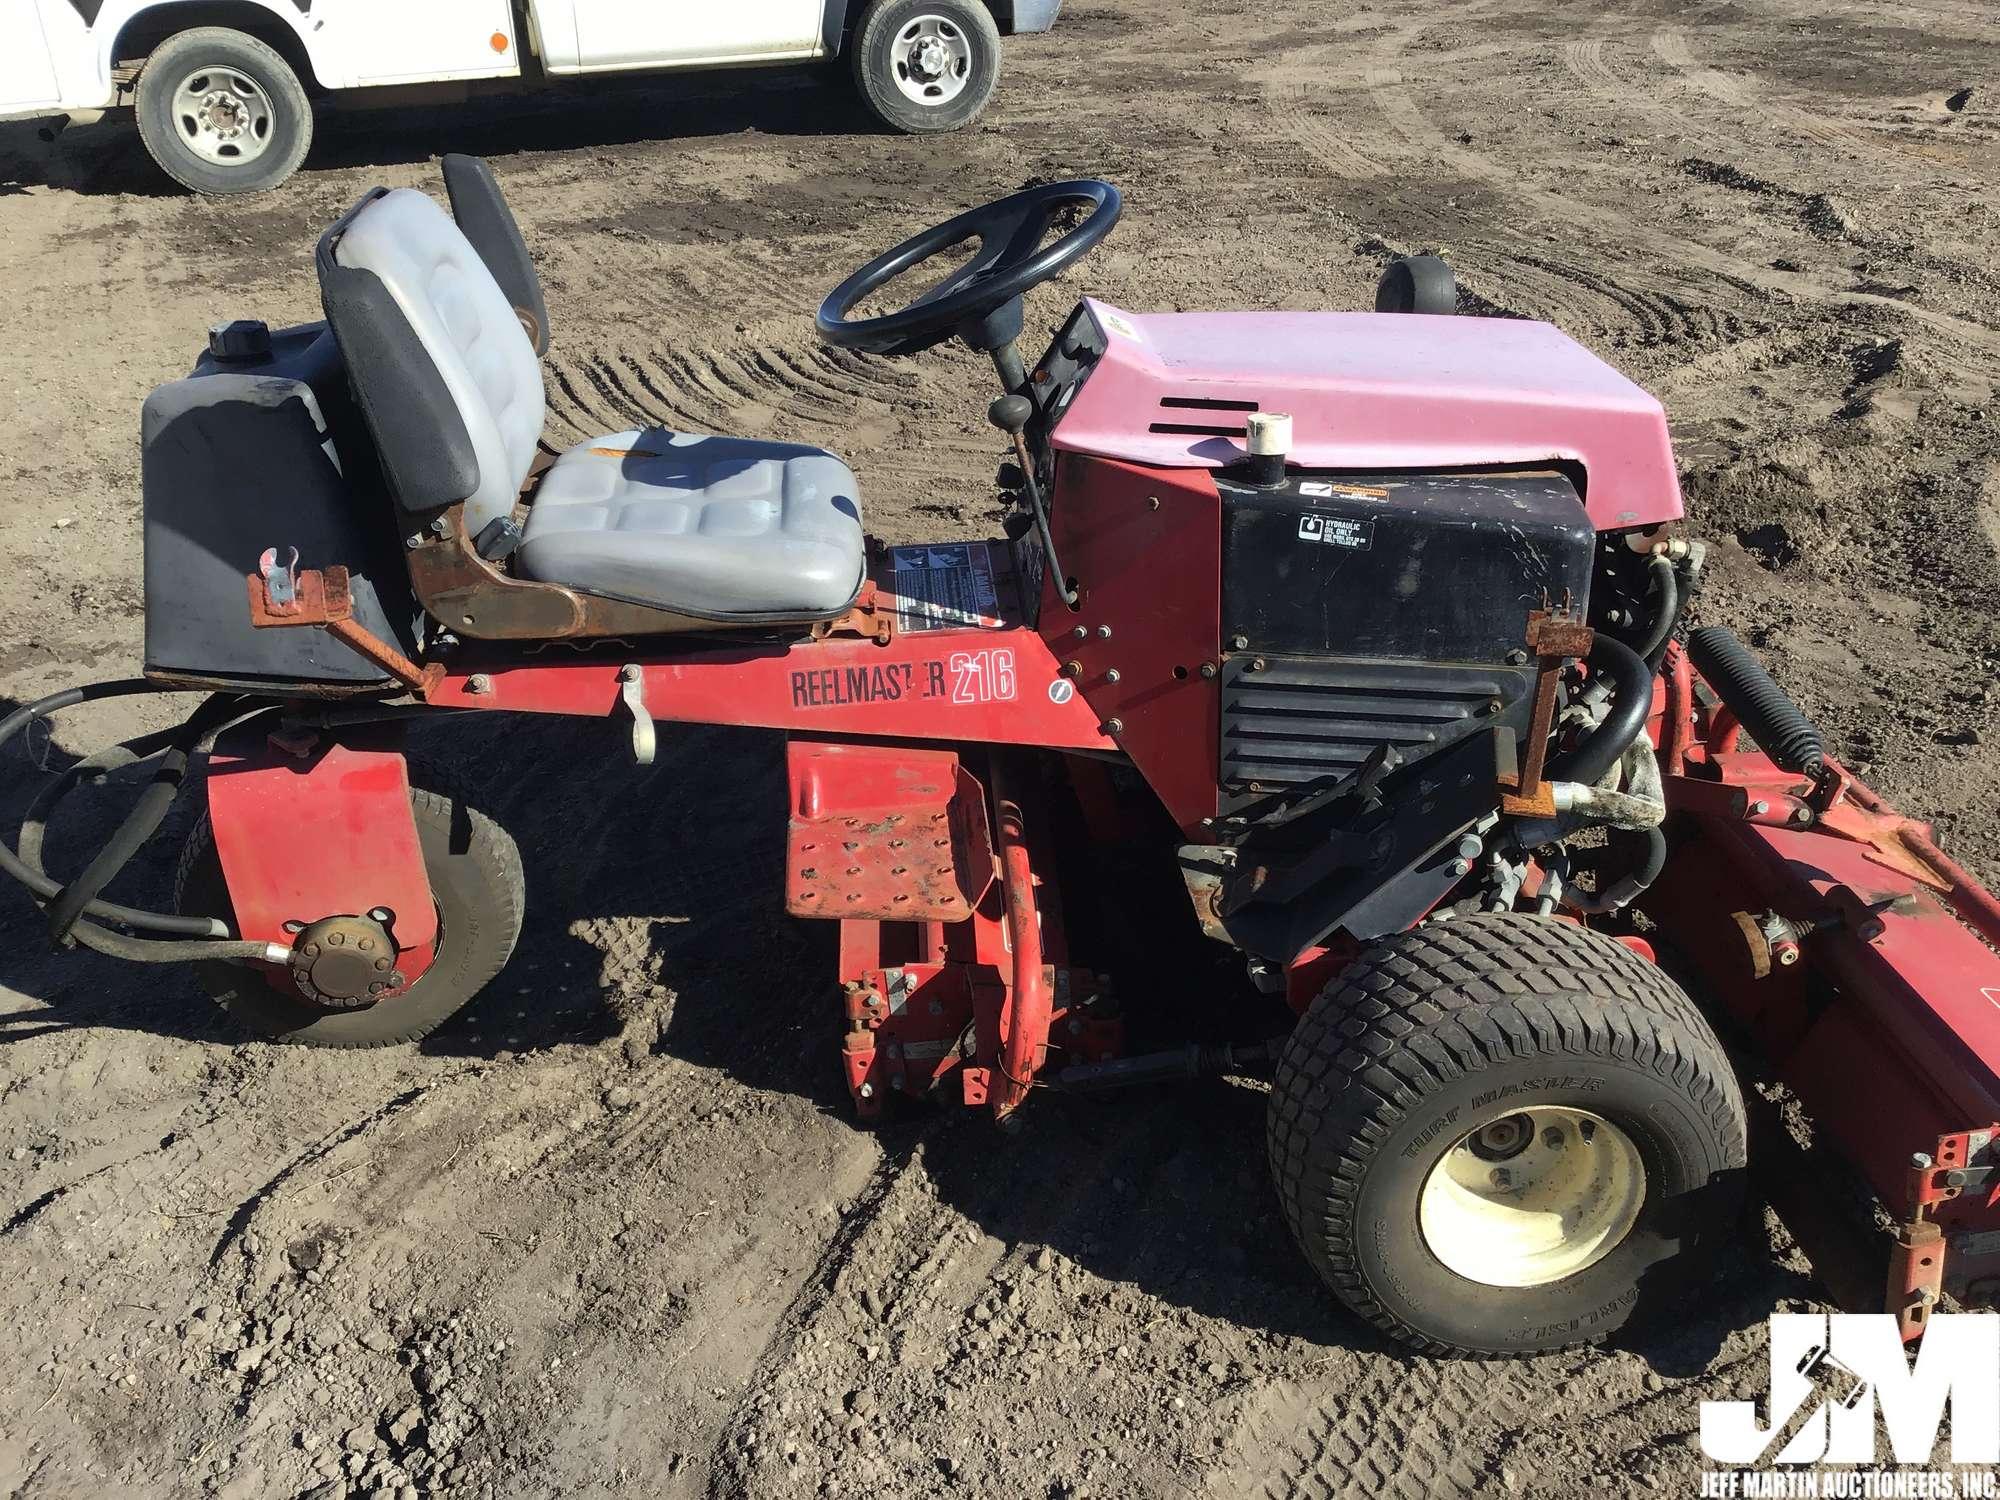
1010,414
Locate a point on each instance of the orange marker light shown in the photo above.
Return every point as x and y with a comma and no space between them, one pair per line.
499,41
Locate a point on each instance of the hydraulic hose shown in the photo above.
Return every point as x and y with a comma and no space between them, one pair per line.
28,872
1631,702
142,822
1667,613
175,950
1616,897
1778,725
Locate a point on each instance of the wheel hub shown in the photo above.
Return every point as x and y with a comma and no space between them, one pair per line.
345,963
931,60
223,116
1532,1196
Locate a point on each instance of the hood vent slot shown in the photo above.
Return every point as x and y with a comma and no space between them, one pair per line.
1218,426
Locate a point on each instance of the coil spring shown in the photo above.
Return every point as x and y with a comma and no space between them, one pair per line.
1778,725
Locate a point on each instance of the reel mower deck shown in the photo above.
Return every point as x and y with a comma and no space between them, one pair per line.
1315,638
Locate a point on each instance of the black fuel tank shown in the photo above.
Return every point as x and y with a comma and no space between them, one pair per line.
1405,567
260,447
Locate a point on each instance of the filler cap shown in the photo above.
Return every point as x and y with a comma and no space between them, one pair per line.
241,339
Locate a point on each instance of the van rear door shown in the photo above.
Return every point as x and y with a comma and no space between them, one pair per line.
27,70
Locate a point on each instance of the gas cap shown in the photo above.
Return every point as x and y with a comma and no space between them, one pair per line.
240,340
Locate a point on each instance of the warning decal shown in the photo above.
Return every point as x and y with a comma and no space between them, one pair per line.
944,587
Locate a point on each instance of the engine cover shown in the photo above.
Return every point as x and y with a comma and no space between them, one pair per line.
1368,609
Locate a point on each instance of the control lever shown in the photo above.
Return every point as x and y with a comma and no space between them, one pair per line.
1010,414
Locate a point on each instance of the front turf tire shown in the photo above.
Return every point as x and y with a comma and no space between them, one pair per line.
475,874
892,36
277,118
1434,1040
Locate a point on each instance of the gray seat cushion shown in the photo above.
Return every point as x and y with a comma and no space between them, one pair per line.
715,527
464,322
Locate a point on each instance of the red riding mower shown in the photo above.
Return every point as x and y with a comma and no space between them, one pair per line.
1360,631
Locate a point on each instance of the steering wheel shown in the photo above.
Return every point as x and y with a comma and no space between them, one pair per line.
1010,259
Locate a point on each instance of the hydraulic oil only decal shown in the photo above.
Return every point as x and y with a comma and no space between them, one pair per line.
960,677
1337,531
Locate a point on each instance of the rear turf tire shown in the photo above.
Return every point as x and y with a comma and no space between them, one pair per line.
881,51
475,874
1433,1040
278,120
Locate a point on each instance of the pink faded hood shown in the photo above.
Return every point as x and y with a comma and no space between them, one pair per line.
1374,391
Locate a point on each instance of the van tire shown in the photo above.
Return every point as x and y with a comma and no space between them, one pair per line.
265,127
894,35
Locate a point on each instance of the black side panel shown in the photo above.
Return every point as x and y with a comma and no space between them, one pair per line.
265,453
426,453
1411,567
483,216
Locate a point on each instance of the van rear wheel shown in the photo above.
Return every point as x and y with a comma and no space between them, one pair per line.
221,112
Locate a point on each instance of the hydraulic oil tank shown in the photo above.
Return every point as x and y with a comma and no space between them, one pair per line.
1367,609
260,446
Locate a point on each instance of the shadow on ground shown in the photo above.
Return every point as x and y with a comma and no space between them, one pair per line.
653,913
108,157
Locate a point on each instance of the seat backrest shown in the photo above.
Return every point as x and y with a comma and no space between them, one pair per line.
445,374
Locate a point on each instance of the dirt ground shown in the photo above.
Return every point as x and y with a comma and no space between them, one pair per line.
611,1231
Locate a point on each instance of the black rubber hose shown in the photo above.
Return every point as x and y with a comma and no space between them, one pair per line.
1627,888
40,884
1631,703
142,822
1667,613
1778,725
171,950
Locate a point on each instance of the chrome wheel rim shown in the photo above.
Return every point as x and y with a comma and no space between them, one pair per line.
931,60
223,116
1531,1196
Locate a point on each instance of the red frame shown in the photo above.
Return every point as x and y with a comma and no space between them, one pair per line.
306,831
1888,1026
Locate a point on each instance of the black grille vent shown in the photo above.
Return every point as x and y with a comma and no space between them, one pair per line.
1301,720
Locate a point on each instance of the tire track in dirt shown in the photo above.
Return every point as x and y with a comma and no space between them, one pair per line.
1426,138
1747,93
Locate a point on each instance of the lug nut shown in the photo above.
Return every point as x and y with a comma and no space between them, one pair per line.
1502,1178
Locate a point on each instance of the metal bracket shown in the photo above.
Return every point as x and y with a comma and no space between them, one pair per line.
1555,636
632,692
284,595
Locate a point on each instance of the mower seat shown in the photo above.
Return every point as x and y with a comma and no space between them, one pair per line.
712,526
700,529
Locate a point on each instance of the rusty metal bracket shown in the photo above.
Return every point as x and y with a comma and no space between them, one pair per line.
1555,636
1917,1254
289,596
865,617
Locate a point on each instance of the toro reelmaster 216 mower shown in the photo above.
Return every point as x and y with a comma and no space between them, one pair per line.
1359,631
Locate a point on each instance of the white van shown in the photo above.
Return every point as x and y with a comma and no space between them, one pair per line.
220,87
